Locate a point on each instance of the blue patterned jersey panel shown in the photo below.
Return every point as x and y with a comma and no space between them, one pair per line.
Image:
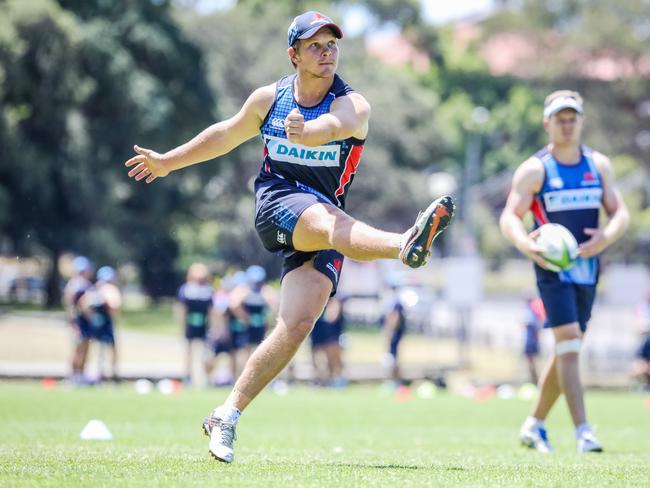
328,169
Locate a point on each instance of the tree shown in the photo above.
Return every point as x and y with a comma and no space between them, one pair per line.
83,80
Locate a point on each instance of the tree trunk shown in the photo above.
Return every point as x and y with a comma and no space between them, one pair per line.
53,288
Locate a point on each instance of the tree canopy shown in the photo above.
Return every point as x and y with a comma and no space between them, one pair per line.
83,80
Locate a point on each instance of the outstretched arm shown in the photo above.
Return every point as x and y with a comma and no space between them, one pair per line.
348,117
216,140
619,217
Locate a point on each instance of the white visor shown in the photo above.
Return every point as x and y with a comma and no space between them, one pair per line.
561,103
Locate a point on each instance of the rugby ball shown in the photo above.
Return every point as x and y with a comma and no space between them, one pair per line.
559,247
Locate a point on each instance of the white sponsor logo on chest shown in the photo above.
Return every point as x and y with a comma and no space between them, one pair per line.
276,122
281,149
576,199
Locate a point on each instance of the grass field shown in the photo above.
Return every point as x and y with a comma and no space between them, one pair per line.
361,436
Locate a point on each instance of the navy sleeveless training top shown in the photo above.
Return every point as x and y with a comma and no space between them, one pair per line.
571,196
326,170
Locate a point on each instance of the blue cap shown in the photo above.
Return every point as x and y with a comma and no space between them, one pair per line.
306,25
239,278
81,264
106,273
256,274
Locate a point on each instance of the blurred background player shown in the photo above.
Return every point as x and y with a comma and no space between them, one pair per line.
564,183
641,366
219,334
73,291
534,319
237,322
195,305
257,304
394,325
326,348
101,304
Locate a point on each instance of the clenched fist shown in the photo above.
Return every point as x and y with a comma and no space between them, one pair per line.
294,125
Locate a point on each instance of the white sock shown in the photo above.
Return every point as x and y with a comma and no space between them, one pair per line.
580,429
402,242
227,413
533,423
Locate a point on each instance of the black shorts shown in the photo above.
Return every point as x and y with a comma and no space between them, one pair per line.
323,333
238,339
278,206
644,350
192,332
256,334
566,302
84,328
105,335
531,348
87,331
221,345
395,340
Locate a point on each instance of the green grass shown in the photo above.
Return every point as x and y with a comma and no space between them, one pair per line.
358,437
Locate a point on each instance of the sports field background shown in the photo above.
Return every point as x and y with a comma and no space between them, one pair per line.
456,107
150,344
362,436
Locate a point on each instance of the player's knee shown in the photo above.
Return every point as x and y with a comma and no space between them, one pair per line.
298,330
568,346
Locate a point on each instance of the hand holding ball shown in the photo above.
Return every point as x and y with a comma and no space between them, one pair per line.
559,247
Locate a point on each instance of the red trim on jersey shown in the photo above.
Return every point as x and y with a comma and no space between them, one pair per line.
351,164
266,164
538,211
